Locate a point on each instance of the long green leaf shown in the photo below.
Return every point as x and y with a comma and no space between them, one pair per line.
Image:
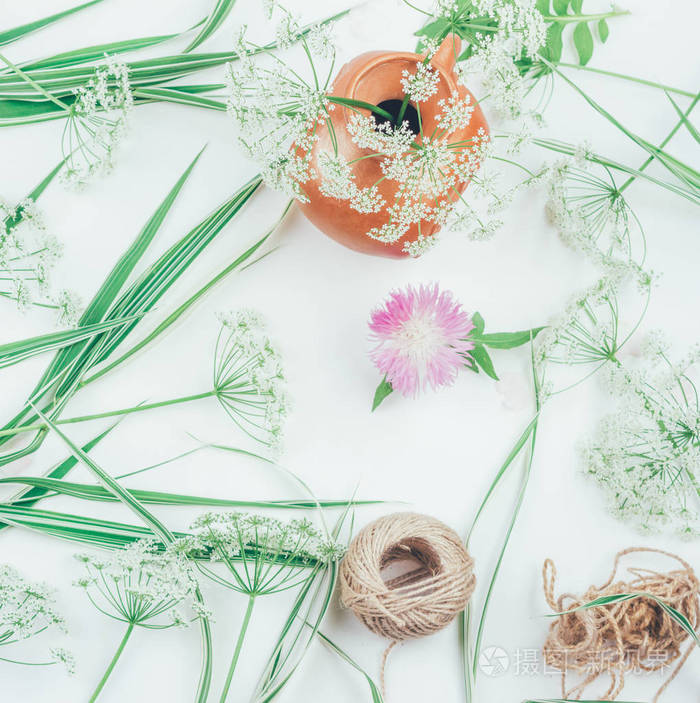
67,360
216,17
373,688
684,119
192,300
14,352
683,172
10,35
88,491
32,496
157,528
676,615
506,340
95,52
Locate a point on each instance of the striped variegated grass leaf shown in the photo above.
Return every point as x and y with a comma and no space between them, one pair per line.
301,626
373,688
674,614
219,12
67,373
23,91
9,35
14,352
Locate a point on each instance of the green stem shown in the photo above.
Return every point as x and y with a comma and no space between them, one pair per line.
402,111
237,650
670,136
351,102
625,77
113,663
566,19
108,413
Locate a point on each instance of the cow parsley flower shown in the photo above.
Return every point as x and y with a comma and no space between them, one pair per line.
276,108
141,585
421,338
248,377
97,122
259,556
514,31
646,456
26,609
592,216
422,84
144,586
587,332
27,255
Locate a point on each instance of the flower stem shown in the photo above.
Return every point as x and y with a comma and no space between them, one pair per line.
351,102
670,136
108,413
237,650
625,77
566,19
113,663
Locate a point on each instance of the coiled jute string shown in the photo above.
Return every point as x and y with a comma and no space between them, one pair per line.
617,638
414,604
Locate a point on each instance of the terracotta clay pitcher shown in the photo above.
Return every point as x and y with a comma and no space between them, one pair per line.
375,77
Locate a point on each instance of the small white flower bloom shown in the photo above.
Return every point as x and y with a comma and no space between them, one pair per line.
422,84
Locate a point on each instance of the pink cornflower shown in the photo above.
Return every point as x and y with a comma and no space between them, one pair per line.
421,338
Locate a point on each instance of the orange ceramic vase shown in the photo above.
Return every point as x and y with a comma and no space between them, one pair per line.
375,77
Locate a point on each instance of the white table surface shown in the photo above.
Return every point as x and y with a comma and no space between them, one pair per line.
437,454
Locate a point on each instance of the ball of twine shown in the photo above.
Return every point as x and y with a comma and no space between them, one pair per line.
417,603
632,635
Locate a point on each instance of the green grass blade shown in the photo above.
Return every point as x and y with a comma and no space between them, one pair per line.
215,19
676,615
158,529
28,498
35,84
683,172
143,295
174,95
108,483
10,35
684,118
96,52
15,352
88,491
374,689
176,314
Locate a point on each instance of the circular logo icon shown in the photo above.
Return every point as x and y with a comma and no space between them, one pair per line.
494,661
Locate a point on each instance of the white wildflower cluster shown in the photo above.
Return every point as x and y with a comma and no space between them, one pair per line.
26,609
97,122
422,179
248,377
586,332
276,109
422,84
646,455
142,585
27,255
61,655
263,555
518,31
593,217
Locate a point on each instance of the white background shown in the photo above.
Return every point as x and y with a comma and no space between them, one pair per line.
437,454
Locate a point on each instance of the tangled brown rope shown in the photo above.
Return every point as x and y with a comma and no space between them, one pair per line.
620,637
416,603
